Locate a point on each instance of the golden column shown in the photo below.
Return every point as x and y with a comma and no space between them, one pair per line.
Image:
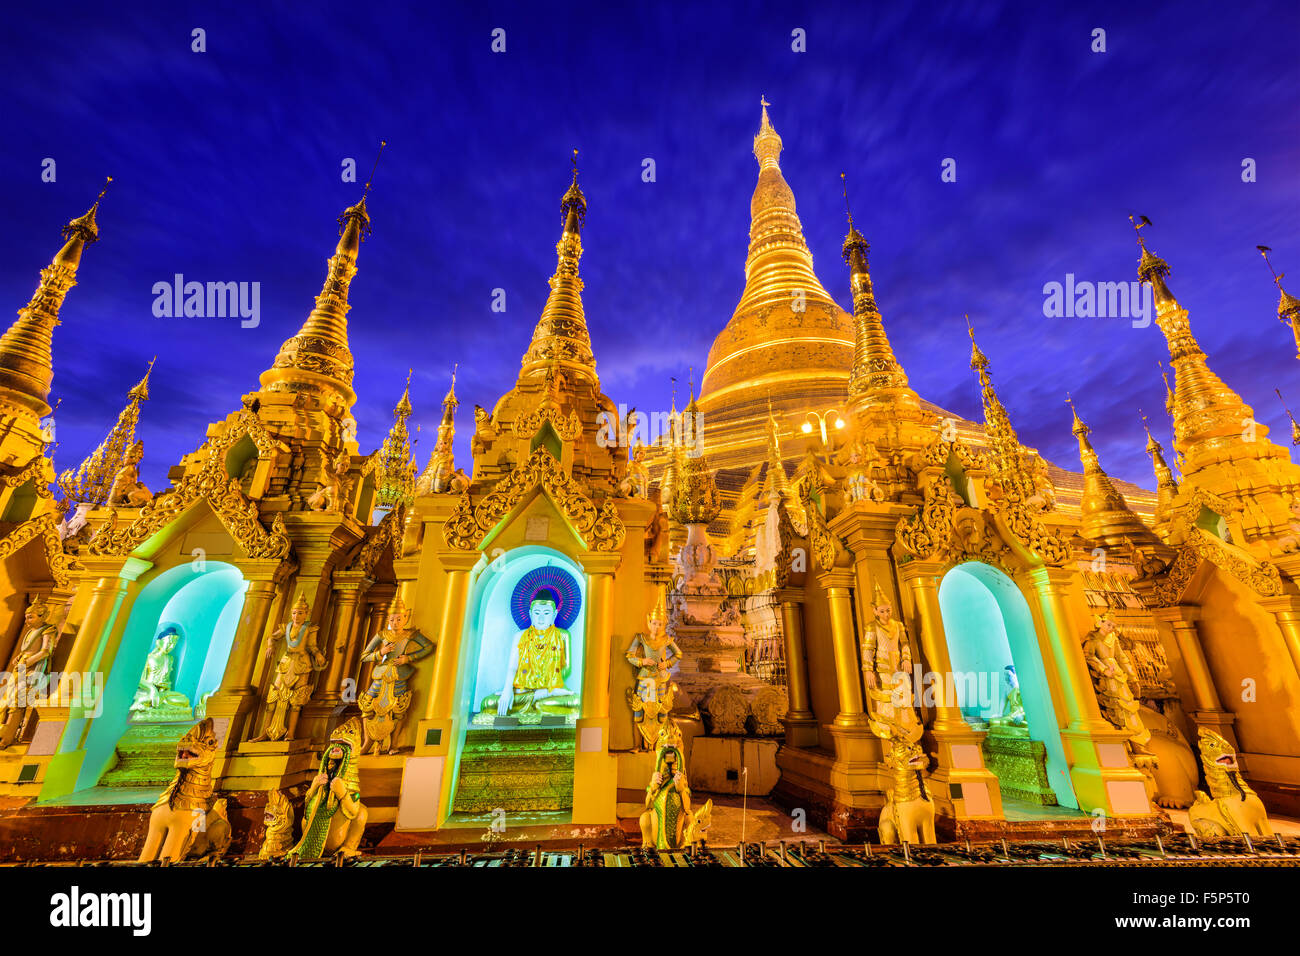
238,677
110,590
348,586
922,579
848,671
442,692
1181,620
800,721
599,635
1286,608
1067,651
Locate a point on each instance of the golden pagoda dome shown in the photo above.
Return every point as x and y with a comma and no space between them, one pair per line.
787,335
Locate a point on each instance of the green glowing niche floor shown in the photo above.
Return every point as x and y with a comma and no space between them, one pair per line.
105,797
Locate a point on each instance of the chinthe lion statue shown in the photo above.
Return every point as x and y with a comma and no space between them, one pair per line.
1232,808
908,813
182,811
278,818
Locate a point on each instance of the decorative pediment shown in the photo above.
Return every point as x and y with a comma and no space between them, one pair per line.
243,424
601,529
39,471
386,535
46,528
237,513
567,427
1262,577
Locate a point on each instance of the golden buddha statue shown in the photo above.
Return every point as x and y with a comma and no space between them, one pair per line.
538,664
155,699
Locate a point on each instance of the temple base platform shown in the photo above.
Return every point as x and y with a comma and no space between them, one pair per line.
523,769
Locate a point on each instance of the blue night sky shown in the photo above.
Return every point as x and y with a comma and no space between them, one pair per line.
226,166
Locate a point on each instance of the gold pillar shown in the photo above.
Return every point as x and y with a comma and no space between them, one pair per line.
599,637
238,677
348,586
1287,611
1081,705
922,578
848,671
796,665
1182,621
442,696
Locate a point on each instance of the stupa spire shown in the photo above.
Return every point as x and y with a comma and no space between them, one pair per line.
1166,485
779,263
442,460
94,478
1288,306
396,483
877,376
318,358
1208,416
26,358
1105,514
561,333
777,482
1002,437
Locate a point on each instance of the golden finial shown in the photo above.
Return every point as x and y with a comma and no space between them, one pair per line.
1288,306
93,479
847,209
1138,223
978,361
366,190
1295,426
767,144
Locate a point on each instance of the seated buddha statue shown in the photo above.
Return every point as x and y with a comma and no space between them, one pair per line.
534,681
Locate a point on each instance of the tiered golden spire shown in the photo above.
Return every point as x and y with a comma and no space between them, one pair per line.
441,461
318,359
26,361
779,260
561,333
1208,416
777,482
695,497
877,376
1003,441
94,478
1105,514
1166,485
397,466
1288,306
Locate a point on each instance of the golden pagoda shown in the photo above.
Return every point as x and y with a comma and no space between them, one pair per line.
787,337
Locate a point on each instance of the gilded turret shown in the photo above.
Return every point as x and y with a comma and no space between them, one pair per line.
1004,445
442,462
695,496
1223,448
1288,306
877,378
561,333
777,484
787,336
26,363
318,359
1166,486
92,480
1105,515
396,482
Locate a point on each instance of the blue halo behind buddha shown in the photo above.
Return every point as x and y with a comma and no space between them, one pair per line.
561,585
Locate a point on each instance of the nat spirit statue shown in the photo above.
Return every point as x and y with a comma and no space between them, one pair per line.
333,816
887,670
27,671
182,810
154,698
1115,679
667,822
384,703
291,685
540,660
653,654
